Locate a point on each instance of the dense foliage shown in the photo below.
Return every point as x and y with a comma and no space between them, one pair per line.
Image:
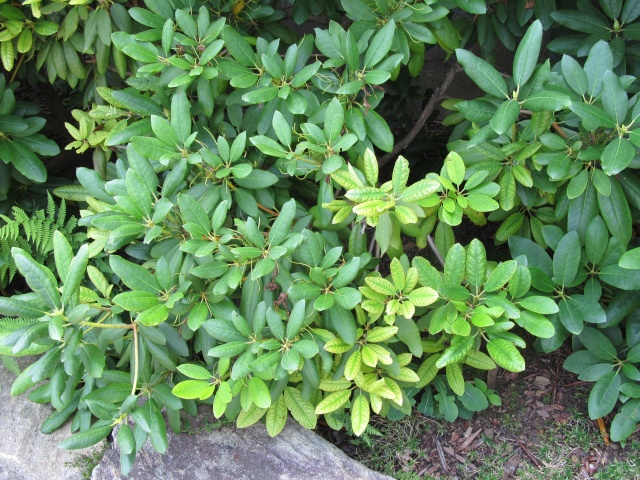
244,248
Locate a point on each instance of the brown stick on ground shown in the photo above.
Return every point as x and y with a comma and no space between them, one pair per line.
436,98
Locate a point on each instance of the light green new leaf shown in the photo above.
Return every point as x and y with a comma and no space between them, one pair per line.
276,416
455,379
259,392
476,265
505,354
630,259
333,402
360,415
500,276
302,410
455,168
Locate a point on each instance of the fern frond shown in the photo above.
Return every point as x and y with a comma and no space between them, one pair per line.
34,234
10,364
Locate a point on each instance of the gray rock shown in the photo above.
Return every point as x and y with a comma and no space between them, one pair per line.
228,453
27,454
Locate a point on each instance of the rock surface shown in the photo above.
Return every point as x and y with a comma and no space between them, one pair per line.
228,453
25,453
224,453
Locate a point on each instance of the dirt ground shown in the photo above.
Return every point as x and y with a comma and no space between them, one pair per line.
541,431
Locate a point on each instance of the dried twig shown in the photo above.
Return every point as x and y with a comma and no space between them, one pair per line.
468,441
437,97
526,451
443,460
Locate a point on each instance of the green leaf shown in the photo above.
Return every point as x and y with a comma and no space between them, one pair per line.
476,265
276,416
574,75
137,103
483,74
136,301
459,348
300,409
592,117
626,421
500,276
536,324
598,344
378,131
282,225
630,259
343,323
526,57
505,354
539,304
246,418
614,98
619,277
197,372
192,389
13,307
333,402
38,277
238,47
379,45
360,415
454,265
409,334
615,211
580,21
296,320
86,438
158,428
455,379
259,392
546,100
571,316
474,399
604,395
566,259
455,167
28,163
134,276
617,156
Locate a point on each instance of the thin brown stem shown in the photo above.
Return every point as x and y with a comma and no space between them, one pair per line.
136,359
437,97
15,70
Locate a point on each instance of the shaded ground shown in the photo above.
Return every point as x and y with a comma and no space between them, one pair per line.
541,431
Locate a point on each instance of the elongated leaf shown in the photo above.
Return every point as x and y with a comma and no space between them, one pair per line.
526,57
360,414
604,395
483,74
566,259
86,438
38,277
505,354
